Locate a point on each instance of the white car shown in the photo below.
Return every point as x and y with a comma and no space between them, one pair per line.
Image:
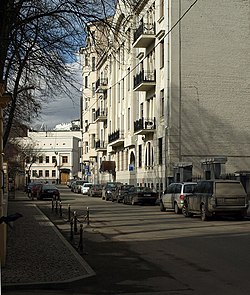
85,188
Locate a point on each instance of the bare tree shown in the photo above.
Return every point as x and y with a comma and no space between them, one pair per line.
38,39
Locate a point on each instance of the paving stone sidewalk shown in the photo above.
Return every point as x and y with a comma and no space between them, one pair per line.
37,253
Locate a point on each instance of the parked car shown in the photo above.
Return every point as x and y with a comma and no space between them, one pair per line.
85,187
76,186
173,196
108,189
140,195
216,197
95,190
48,191
69,182
120,192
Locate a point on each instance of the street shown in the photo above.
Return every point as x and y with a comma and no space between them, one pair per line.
140,250
196,257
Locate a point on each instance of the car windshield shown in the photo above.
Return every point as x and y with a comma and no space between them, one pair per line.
87,184
47,186
80,182
229,188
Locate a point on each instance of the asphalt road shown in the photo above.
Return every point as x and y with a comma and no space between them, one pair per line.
140,250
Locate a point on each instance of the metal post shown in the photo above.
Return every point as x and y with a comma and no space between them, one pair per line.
87,216
71,230
56,206
80,246
69,212
52,204
75,222
60,208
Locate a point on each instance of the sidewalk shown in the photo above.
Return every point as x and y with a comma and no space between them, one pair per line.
37,253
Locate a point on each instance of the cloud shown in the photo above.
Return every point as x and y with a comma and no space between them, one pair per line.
66,107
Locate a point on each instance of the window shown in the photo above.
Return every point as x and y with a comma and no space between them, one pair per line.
40,159
86,81
40,173
86,61
161,8
34,173
46,173
162,53
47,159
140,155
128,118
53,173
93,63
160,150
93,89
53,159
27,160
162,102
33,159
64,159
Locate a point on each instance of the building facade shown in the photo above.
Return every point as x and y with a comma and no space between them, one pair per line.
169,94
52,156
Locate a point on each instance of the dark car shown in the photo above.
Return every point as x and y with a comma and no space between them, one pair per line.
140,195
216,197
109,189
121,192
48,191
95,190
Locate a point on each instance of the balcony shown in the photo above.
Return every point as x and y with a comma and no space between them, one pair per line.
101,85
144,126
145,80
101,115
144,35
116,138
100,145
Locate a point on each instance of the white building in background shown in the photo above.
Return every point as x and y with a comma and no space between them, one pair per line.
57,155
168,98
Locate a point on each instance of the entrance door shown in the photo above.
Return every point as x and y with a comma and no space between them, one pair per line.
64,177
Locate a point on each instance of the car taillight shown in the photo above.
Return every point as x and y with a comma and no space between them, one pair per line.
181,197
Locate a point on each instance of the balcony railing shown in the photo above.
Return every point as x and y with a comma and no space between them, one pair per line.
144,80
144,126
100,145
144,35
116,138
101,114
101,84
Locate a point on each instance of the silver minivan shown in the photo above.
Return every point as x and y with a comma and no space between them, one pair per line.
173,196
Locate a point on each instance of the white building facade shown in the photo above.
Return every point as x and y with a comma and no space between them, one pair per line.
53,156
171,94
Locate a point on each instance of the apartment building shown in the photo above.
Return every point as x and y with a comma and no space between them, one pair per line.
52,156
173,86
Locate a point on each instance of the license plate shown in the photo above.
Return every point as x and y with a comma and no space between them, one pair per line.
147,195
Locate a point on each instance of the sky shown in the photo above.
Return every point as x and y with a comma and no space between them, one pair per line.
64,109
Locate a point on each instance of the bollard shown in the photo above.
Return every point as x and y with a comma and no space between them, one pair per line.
52,204
87,216
80,246
60,208
75,222
71,230
69,212
56,206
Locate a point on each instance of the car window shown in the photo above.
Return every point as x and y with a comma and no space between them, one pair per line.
188,188
170,189
229,188
177,189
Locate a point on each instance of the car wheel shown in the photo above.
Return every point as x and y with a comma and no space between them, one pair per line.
185,211
162,208
204,216
176,209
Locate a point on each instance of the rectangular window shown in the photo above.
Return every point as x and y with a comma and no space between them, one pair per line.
86,82
53,173
93,63
33,159
140,155
162,102
34,173
47,159
162,54
64,159
93,89
160,148
40,173
129,118
86,61
53,159
46,173
40,159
